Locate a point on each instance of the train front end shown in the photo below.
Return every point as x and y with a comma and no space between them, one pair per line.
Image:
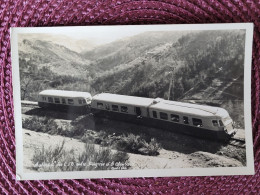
226,124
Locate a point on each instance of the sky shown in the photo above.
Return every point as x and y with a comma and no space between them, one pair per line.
103,35
98,35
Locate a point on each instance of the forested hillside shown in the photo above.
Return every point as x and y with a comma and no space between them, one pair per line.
46,65
37,54
199,60
106,57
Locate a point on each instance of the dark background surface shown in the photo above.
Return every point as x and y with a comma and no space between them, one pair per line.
71,13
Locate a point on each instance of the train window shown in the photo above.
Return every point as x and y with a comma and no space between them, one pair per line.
107,106
197,122
215,123
70,101
80,101
44,98
124,109
84,101
154,114
57,100
221,123
163,116
175,118
115,108
185,120
63,100
100,105
50,99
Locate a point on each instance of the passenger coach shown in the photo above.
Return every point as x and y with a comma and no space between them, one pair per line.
60,99
198,120
121,106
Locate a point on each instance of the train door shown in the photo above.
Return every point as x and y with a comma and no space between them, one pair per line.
138,111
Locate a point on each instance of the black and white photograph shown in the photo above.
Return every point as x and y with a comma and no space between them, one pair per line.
132,101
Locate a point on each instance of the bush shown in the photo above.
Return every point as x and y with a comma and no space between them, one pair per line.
153,147
42,124
93,158
128,143
136,144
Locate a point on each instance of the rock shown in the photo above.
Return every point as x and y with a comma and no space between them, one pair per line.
144,151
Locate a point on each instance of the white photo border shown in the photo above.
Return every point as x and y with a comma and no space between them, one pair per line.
247,170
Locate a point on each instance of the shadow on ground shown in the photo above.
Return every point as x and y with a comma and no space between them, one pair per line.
55,114
168,140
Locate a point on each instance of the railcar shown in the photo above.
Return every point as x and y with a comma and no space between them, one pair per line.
64,100
121,107
197,120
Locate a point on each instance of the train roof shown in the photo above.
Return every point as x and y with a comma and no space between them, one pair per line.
63,93
188,108
163,105
123,99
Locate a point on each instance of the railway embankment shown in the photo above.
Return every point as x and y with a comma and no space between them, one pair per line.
171,150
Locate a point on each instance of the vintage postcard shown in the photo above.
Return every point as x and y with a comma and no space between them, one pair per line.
132,101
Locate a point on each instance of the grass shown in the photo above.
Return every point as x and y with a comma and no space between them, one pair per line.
54,159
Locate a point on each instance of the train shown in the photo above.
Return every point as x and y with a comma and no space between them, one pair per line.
64,100
187,118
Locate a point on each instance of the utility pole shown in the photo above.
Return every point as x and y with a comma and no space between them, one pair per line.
171,84
174,58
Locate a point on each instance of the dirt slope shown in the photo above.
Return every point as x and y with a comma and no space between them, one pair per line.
165,160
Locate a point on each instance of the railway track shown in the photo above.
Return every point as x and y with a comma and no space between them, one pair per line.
29,103
237,142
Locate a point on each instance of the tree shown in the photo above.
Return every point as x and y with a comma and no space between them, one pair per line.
26,86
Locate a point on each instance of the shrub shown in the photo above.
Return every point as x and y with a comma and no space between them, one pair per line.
127,143
130,143
136,144
153,147
42,124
